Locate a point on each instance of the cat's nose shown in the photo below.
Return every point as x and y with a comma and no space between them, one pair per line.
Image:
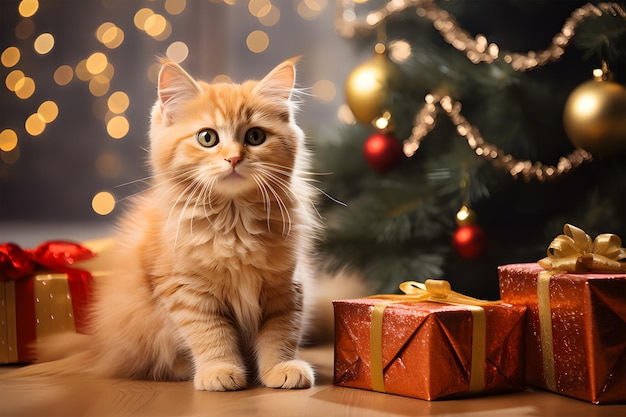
233,160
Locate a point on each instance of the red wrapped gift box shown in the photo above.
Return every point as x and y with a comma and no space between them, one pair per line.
428,350
41,293
588,331
576,329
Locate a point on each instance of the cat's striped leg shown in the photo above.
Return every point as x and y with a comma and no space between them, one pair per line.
211,338
278,340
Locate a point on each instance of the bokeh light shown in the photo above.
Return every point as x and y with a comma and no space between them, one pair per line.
110,35
155,24
324,90
34,125
400,50
177,51
99,85
153,72
10,56
24,29
10,157
108,72
13,78
103,203
222,78
118,102
345,115
271,17
48,111
44,43
27,8
96,63
310,9
108,165
175,7
166,32
257,41
141,16
118,127
63,75
8,140
259,8
25,88
81,71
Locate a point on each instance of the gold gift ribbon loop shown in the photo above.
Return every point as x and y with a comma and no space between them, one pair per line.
574,251
436,291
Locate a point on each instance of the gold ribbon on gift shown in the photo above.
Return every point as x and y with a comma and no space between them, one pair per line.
437,291
574,251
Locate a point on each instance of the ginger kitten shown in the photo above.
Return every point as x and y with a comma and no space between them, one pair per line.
213,260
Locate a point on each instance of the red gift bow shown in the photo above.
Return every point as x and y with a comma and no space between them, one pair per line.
59,256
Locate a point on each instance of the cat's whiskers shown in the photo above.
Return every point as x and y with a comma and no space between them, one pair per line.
205,197
266,199
286,188
306,176
190,197
284,210
180,196
278,174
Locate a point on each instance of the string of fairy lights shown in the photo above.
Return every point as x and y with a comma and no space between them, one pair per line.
478,50
152,18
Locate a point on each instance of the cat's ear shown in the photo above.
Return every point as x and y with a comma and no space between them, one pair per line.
280,81
175,87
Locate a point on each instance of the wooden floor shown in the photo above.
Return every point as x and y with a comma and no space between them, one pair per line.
73,396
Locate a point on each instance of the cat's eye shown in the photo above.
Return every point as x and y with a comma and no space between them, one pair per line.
207,138
255,136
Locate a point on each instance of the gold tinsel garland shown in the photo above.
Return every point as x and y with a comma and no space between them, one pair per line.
425,122
478,50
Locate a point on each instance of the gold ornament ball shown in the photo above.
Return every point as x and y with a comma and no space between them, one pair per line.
595,117
369,85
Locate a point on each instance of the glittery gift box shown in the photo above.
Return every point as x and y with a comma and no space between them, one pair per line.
38,306
43,292
429,350
576,330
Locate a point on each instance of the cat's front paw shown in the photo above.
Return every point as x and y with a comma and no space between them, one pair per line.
290,374
221,377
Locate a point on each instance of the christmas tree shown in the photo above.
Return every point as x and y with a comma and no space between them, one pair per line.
470,150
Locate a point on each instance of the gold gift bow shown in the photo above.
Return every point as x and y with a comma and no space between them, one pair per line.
576,252
437,291
572,252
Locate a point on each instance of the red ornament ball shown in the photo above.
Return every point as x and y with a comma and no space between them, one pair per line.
469,241
382,152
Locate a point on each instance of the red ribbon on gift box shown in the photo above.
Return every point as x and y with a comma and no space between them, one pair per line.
59,256
17,264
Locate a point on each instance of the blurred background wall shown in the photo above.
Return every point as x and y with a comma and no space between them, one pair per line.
79,82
